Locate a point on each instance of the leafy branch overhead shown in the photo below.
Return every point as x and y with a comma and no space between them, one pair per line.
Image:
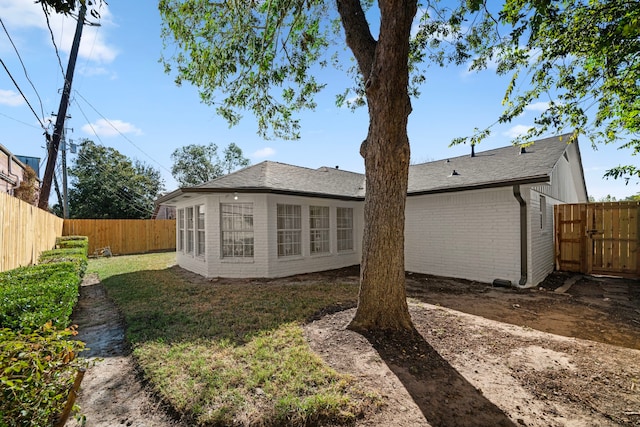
259,46
580,60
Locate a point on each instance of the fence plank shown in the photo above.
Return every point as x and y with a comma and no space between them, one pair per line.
599,238
26,231
125,236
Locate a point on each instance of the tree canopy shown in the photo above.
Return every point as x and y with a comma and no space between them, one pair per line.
107,184
195,164
580,60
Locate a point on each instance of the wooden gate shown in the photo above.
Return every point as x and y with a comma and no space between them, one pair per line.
598,238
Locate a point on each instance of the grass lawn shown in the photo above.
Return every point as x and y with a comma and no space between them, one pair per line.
225,354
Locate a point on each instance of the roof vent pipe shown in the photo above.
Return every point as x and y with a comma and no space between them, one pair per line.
454,173
473,150
523,150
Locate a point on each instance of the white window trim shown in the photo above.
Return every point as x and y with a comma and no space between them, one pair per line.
325,231
338,229
223,230
295,232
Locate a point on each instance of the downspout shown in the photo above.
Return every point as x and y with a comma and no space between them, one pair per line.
523,235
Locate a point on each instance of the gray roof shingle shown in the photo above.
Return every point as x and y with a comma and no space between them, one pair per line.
492,168
501,166
280,177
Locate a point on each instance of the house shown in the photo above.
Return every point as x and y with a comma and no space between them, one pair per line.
11,170
481,217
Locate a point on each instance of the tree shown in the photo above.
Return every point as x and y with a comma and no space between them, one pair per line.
29,186
262,57
107,184
581,58
195,164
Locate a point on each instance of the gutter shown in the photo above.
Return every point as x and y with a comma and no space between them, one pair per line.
523,235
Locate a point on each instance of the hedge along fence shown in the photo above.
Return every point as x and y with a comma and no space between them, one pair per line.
25,231
38,361
125,236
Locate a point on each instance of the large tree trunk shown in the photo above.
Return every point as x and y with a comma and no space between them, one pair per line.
382,301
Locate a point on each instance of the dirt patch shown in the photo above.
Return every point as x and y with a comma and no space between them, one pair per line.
482,356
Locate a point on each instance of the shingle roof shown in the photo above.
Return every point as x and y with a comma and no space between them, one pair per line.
283,178
498,167
492,168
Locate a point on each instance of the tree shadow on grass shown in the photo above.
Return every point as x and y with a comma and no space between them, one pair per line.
444,396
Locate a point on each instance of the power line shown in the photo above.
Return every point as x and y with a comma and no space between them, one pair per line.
53,41
23,66
21,93
118,130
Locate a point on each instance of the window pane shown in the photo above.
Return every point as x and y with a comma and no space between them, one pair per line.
319,229
289,225
237,230
344,235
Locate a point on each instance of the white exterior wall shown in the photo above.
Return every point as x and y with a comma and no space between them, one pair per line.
306,263
472,235
191,262
541,251
265,262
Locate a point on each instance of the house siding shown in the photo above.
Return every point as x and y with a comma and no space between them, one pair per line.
470,234
190,261
265,262
541,238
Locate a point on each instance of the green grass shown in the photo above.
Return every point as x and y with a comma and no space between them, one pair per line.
231,353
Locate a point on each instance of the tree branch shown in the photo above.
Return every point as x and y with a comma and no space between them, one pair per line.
358,35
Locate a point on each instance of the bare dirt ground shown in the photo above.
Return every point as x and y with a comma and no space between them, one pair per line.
483,356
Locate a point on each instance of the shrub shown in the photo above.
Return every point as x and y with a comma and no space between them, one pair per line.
68,242
31,296
77,256
37,370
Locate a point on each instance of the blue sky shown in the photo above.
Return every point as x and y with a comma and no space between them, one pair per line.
123,99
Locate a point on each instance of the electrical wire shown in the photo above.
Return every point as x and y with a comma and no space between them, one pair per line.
21,93
53,41
23,66
118,130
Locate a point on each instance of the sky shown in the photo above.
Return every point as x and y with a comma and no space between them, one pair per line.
122,98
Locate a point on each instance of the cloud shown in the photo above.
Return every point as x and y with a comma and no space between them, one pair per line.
20,16
264,153
517,131
538,106
107,128
10,98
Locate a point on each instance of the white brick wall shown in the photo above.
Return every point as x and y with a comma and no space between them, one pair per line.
265,262
472,235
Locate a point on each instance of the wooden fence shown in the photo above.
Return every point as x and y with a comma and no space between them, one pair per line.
124,236
25,231
598,238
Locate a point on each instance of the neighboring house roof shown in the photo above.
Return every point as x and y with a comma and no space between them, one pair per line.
493,168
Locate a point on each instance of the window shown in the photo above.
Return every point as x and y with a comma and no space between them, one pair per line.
289,230
344,227
543,212
319,229
181,230
237,230
190,230
200,235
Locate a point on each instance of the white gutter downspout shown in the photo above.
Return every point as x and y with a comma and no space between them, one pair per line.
523,235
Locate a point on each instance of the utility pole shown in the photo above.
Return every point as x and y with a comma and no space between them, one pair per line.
65,192
54,144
